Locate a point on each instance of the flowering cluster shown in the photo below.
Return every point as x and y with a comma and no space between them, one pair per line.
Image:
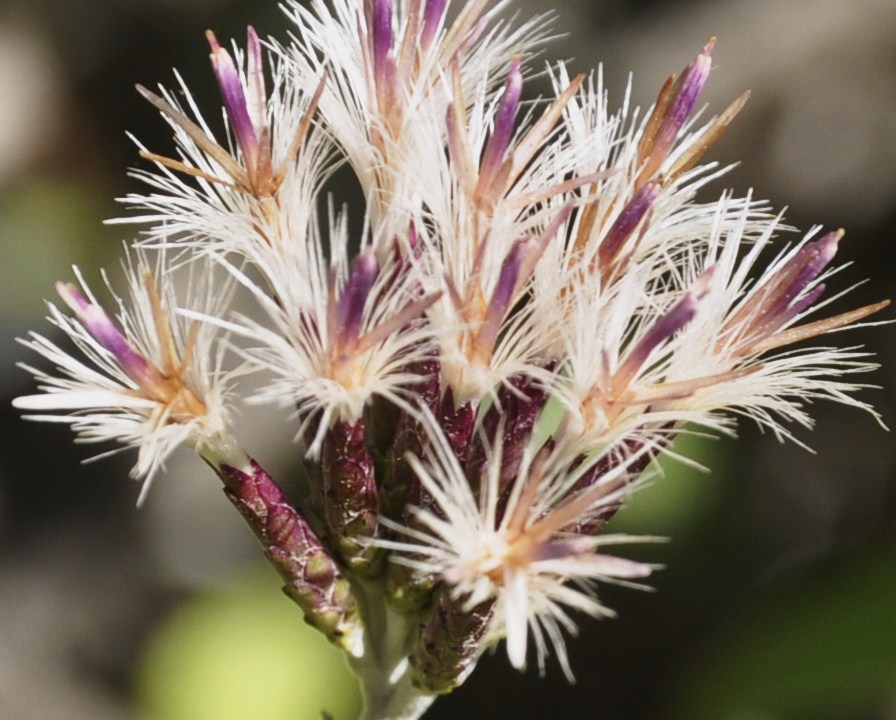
536,306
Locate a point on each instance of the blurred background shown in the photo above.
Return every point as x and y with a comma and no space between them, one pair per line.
778,600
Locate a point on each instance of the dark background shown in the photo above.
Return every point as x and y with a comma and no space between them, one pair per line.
779,595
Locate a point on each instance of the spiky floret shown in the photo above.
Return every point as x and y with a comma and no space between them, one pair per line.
491,206
737,355
647,170
337,333
149,378
711,339
513,543
483,337
390,85
253,194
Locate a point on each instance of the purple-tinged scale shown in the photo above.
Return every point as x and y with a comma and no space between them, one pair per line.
432,18
688,90
234,99
627,221
679,315
400,484
382,41
349,312
103,329
516,410
505,121
449,641
457,422
503,295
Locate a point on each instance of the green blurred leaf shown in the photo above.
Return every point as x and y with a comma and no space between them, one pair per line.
240,653
45,228
677,494
825,648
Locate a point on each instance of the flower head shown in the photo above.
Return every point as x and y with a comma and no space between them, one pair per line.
339,334
515,541
148,379
538,302
255,198
392,81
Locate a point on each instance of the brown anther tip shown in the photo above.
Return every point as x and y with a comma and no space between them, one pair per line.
873,309
710,44
151,96
212,40
735,107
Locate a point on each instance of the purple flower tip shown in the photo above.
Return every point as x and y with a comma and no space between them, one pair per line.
104,330
381,30
679,315
628,220
349,312
509,277
432,16
212,41
234,97
505,120
252,39
799,276
72,297
688,90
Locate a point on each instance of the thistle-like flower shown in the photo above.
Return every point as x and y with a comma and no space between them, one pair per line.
514,544
537,305
149,379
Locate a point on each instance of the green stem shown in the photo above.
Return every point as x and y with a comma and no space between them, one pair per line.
383,668
398,702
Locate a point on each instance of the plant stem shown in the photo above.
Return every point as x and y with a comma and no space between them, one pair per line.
395,702
383,668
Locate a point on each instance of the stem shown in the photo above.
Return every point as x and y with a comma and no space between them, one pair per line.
395,702
383,668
